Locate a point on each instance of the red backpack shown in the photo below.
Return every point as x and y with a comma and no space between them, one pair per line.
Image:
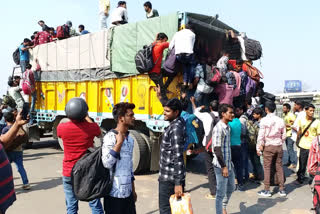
213,76
252,72
63,32
316,188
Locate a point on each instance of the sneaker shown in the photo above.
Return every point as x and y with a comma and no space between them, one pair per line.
282,193
265,193
292,166
211,197
26,187
240,188
298,182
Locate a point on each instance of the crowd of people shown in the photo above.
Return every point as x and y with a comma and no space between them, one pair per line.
242,138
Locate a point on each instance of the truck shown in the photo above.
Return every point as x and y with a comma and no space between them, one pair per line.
100,68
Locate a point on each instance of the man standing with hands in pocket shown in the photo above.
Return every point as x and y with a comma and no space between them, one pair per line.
117,152
223,166
172,170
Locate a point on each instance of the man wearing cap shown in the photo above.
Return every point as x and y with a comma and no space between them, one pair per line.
77,135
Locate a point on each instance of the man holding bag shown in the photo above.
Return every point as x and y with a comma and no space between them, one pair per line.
309,128
172,169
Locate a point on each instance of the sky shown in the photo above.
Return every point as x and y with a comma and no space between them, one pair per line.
287,30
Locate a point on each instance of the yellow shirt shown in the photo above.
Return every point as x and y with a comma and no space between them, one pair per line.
312,132
289,119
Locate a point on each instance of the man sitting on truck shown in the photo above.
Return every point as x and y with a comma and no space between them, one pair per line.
151,13
120,14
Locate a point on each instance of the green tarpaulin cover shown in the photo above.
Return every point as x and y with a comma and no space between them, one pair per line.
129,38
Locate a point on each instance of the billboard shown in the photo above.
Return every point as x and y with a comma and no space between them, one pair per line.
291,86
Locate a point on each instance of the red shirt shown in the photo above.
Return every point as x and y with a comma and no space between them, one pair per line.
77,137
157,54
43,37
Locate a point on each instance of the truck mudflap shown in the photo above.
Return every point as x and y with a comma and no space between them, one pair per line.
33,132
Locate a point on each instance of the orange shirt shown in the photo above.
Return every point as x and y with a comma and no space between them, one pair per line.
157,54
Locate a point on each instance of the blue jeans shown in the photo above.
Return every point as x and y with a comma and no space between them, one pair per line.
225,187
23,65
188,66
245,159
33,103
292,158
72,201
17,158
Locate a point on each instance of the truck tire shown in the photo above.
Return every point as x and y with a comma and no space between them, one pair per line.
140,153
64,120
150,146
155,139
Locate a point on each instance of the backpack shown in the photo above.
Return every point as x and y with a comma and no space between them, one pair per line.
90,179
169,64
9,101
144,59
252,134
26,85
252,71
253,49
20,138
63,32
215,120
16,56
251,87
268,97
212,76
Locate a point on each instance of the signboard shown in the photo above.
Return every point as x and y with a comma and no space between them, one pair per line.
291,86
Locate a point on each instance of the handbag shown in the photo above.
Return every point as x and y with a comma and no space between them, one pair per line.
303,133
182,205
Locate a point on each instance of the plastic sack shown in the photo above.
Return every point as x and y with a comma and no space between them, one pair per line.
182,205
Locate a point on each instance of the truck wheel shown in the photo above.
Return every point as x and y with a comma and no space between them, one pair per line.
64,120
140,152
155,138
150,146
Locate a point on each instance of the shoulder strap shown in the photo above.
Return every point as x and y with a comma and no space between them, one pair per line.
306,129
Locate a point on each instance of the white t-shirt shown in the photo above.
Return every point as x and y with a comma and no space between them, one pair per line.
183,41
119,14
206,119
300,115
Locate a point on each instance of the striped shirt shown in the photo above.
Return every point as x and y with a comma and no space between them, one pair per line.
7,194
221,138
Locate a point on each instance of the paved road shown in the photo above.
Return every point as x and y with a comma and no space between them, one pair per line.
43,164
